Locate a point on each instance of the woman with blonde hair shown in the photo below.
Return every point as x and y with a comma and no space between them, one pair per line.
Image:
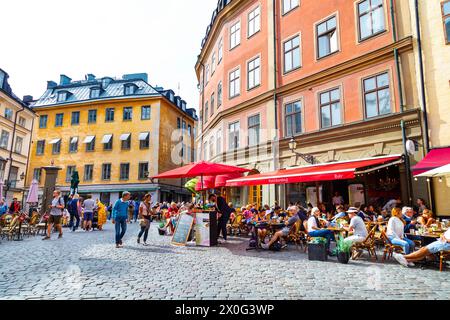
101,213
427,218
396,231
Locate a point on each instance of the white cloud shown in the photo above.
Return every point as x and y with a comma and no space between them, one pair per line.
43,39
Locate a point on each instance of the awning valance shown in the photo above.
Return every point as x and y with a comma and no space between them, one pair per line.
143,136
89,139
322,172
107,138
125,136
435,159
54,141
74,140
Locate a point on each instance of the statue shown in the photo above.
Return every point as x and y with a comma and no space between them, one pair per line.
74,183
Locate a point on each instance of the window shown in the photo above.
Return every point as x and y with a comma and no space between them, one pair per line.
92,116
75,118
18,146
37,174
108,142
8,113
189,130
106,171
330,108
146,112
109,116
88,172
4,139
293,118
211,147
219,94
124,171
95,93
22,121
40,147
235,83
143,171
327,39
219,142
212,104
205,118
254,127
56,146
235,35
220,51
233,135
13,175
43,121
70,170
129,89
292,54
178,123
207,75
370,18
90,146
254,21
73,145
446,19
289,5
59,120
62,96
126,141
213,63
144,140
127,113
377,97
254,73
205,151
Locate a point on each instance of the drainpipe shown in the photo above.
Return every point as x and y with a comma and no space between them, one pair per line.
203,111
407,164
11,150
397,58
275,96
28,161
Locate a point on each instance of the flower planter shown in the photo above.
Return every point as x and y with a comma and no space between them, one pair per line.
343,257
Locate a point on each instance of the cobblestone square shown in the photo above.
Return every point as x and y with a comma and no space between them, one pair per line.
88,266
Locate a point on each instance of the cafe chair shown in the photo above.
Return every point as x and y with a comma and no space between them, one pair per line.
237,226
297,237
389,248
10,230
444,256
368,244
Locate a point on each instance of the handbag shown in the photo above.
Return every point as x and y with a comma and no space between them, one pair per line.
143,222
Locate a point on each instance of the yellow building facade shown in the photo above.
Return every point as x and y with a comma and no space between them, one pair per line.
115,133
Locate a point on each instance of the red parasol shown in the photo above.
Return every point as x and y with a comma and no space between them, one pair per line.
200,169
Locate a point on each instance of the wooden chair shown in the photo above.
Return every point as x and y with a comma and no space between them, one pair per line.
236,226
389,248
368,244
12,229
298,237
443,257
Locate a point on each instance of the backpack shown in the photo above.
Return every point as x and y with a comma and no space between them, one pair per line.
276,246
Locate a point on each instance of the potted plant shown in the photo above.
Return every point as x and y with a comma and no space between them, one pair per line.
343,250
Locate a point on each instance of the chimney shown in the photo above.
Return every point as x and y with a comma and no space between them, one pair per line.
135,76
27,99
90,77
51,84
64,80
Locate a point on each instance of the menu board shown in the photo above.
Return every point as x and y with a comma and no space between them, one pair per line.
202,230
184,226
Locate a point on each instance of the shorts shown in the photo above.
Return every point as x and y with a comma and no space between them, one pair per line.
54,219
88,216
286,231
438,246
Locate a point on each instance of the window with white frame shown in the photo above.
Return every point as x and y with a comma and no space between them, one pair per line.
293,117
212,103
233,135
18,145
220,51
330,108
4,139
219,142
254,21
291,50
219,94
213,63
327,37
254,73
8,113
371,18
206,114
377,97
206,74
211,148
254,129
289,5
235,83
235,35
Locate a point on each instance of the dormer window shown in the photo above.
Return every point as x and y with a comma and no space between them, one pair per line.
171,97
62,96
106,82
95,92
130,89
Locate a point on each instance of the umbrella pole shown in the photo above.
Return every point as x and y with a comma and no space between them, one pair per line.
203,195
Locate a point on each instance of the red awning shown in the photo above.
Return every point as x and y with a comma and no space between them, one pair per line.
323,172
202,168
435,159
221,181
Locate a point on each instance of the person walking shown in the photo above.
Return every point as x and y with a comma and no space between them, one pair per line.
145,214
15,207
131,206
74,211
56,212
120,217
89,206
101,216
137,205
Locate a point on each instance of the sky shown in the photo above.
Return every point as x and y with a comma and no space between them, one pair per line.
42,39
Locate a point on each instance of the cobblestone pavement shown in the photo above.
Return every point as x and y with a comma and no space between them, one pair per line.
88,266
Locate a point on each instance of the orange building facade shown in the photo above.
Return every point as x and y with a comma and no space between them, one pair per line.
336,77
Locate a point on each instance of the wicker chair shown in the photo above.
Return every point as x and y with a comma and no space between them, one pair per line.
298,237
12,229
443,257
389,248
236,227
368,244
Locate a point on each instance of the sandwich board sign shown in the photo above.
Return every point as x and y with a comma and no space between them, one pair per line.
183,229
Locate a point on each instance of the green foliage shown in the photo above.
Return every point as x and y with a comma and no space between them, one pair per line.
343,246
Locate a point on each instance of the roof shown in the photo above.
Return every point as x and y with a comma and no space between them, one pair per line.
110,88
6,89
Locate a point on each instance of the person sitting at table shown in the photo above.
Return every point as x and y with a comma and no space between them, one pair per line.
248,214
357,227
443,244
396,232
427,218
285,231
408,217
260,218
316,231
370,212
341,214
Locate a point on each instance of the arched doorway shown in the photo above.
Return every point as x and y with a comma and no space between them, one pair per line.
255,193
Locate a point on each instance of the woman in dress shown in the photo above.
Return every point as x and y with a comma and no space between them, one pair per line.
101,209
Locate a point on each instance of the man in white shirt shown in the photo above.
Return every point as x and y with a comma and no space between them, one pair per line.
357,226
315,230
337,199
443,244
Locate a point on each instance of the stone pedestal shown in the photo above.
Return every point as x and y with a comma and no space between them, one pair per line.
51,174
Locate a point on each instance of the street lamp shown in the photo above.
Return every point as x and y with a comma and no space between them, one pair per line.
293,147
